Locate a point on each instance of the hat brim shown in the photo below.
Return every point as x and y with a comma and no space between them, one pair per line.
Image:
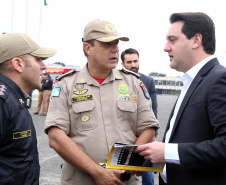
111,38
44,52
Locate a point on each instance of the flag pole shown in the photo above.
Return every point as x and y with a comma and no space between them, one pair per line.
12,14
40,22
27,16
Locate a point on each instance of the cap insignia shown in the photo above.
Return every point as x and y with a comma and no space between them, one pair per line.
109,28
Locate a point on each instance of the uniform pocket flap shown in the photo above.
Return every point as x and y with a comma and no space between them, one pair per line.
83,106
130,106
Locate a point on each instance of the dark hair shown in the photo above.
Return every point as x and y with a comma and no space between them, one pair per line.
197,22
90,42
6,67
128,51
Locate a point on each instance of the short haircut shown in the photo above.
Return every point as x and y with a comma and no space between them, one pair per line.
197,22
128,51
90,42
6,67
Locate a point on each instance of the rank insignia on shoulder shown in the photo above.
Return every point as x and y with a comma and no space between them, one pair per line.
56,92
66,74
146,94
130,72
3,91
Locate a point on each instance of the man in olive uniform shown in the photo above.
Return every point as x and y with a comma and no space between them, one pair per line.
93,108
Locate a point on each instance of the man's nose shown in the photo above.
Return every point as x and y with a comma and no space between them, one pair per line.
167,47
43,66
115,49
133,64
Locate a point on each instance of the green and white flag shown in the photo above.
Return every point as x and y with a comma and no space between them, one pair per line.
45,3
56,92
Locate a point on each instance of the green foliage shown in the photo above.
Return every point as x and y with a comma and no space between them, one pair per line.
157,74
60,63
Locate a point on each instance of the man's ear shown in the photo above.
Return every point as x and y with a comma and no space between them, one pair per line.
123,64
197,41
87,48
18,64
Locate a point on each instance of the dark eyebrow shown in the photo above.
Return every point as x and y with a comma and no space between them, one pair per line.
131,60
170,37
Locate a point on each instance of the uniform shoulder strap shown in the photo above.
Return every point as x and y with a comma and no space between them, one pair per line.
66,74
130,72
4,91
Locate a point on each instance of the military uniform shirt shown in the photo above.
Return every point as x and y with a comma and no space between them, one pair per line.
96,116
19,163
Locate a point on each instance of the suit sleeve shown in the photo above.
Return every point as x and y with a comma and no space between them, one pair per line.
210,151
153,95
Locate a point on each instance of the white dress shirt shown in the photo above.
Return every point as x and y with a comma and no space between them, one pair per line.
171,150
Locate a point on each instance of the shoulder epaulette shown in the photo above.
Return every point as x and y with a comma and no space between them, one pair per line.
66,74
130,72
4,91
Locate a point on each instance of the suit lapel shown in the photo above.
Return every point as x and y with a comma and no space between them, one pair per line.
191,89
203,71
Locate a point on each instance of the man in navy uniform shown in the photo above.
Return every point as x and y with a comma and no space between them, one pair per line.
21,64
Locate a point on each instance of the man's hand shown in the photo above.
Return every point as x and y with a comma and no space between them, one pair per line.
152,151
110,177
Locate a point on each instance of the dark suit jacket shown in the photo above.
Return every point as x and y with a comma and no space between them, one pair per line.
200,130
150,86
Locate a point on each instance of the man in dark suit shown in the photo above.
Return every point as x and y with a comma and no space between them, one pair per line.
130,60
194,147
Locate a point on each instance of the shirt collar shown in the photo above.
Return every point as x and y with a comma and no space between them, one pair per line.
26,95
195,69
191,73
84,76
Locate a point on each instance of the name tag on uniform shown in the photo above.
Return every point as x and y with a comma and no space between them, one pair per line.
82,98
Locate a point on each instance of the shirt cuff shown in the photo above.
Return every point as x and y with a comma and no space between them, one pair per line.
171,153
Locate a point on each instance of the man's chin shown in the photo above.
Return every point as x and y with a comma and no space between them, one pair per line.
39,87
135,71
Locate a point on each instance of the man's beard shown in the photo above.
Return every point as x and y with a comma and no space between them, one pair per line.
134,69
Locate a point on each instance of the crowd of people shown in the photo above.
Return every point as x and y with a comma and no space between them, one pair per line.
91,109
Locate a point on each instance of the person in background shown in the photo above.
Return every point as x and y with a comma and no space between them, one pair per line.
30,99
194,143
44,94
47,89
93,108
54,81
40,97
130,60
21,64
